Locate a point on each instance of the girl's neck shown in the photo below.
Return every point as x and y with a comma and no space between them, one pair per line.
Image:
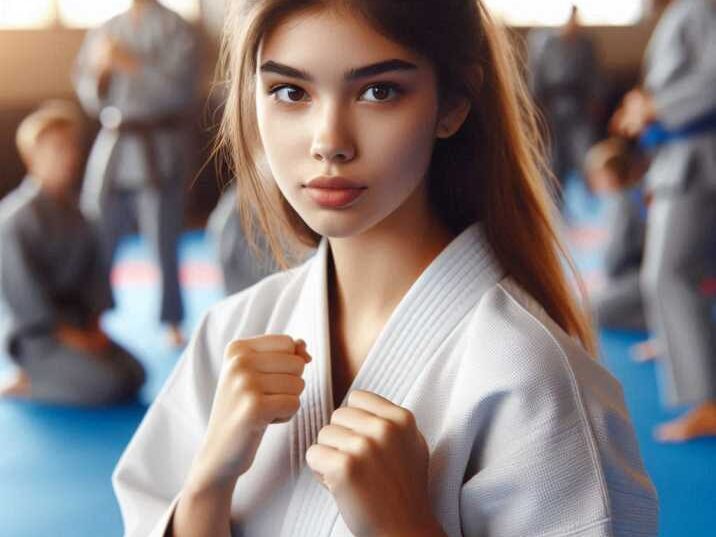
371,272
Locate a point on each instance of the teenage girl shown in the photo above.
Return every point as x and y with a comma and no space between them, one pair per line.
427,372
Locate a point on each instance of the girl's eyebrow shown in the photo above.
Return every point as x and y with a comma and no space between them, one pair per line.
354,74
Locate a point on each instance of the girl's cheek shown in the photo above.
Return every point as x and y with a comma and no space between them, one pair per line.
405,140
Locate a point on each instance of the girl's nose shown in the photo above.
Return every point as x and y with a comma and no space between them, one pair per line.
332,141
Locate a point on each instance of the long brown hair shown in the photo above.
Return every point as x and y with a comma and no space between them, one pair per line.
492,170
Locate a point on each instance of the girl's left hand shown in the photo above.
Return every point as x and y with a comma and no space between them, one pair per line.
374,461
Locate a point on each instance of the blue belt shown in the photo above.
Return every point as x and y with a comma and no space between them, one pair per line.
656,134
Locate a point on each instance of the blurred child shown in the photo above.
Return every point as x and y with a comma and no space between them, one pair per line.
613,172
52,280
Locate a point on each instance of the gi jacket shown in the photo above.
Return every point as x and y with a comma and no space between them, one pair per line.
680,73
528,435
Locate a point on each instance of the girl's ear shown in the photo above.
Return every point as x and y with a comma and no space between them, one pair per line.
452,117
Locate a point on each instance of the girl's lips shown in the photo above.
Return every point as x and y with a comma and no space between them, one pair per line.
335,182
334,198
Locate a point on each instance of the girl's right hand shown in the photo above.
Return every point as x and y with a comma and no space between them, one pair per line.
260,383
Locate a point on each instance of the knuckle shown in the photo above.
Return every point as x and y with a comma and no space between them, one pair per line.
405,419
244,359
338,415
240,362
347,466
292,360
236,348
364,447
325,431
294,404
252,405
244,381
281,340
386,431
311,454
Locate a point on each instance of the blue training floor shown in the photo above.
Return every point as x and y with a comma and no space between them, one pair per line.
684,474
55,463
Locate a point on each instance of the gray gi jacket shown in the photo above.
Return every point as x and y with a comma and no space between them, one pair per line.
142,138
50,266
680,73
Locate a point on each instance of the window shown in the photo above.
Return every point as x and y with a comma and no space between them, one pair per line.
556,12
76,13
26,13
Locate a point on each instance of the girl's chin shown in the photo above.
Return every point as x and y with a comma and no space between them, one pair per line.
337,226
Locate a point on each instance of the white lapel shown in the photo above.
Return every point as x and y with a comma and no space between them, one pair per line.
310,320
439,299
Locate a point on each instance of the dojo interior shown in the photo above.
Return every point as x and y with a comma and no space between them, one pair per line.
56,461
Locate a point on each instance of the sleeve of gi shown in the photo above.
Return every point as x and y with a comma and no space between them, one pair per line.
152,470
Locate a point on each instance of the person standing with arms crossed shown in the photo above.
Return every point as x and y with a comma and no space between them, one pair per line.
138,74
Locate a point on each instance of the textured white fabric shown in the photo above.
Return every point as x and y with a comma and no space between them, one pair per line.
528,435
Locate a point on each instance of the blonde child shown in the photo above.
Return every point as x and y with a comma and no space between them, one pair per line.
52,282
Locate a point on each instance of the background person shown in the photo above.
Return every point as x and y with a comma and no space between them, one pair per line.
52,281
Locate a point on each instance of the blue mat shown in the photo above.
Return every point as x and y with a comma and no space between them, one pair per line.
684,474
55,468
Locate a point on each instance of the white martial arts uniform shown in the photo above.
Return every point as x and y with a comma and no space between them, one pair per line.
528,435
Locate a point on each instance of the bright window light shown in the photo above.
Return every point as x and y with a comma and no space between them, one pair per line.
189,9
90,13
26,13
76,13
556,12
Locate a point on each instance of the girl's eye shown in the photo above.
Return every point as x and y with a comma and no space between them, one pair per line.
381,93
288,94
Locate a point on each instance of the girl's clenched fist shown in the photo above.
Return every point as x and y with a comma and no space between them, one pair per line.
260,383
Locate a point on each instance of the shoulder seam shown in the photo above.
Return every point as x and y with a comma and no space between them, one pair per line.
586,429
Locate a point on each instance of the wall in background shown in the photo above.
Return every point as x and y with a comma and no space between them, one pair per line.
36,65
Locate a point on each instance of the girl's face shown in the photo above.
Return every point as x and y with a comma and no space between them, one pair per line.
337,102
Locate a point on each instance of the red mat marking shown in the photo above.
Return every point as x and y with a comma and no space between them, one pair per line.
586,237
708,286
191,274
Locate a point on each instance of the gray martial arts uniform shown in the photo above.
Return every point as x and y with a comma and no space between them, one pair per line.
51,272
565,81
239,265
680,72
619,305
142,156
